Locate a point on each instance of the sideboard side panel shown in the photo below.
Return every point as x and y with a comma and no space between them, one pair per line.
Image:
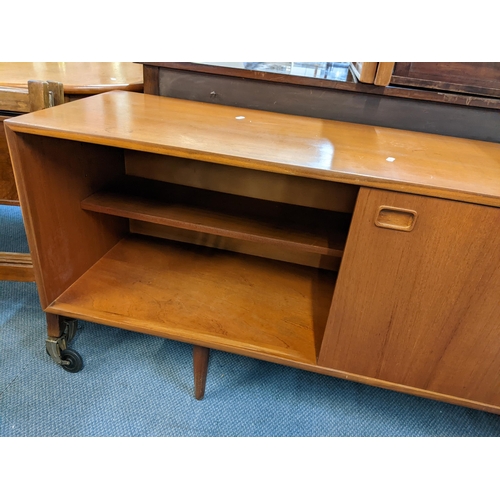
53,176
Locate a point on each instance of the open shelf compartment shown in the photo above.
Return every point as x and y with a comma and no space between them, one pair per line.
295,228
205,296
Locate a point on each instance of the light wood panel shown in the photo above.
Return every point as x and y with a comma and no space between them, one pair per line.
384,73
64,240
405,161
365,71
206,297
420,308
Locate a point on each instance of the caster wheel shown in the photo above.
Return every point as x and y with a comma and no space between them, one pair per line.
75,360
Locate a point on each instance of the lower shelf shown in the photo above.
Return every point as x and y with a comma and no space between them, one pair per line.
205,296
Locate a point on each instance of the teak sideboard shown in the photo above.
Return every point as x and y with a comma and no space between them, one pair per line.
365,253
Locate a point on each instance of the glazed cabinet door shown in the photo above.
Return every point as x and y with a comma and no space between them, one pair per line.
417,300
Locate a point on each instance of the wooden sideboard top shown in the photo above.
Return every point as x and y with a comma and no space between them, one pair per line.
365,155
77,77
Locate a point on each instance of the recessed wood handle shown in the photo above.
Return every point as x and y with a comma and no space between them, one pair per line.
400,219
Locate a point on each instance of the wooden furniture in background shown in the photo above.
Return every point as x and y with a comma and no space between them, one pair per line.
376,73
407,108
149,238
38,95
473,78
384,73
78,79
479,78
365,71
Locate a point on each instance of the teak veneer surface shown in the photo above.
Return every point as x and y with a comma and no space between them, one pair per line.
76,77
317,231
412,162
205,296
420,308
64,240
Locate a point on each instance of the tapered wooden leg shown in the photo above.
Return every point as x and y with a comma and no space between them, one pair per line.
200,365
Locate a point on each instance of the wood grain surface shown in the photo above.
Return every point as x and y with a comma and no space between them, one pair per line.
269,186
14,99
53,177
76,77
284,253
384,73
200,367
16,267
205,297
480,78
420,308
405,161
298,228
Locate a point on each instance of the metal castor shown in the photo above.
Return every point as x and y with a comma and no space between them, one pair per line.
57,348
73,359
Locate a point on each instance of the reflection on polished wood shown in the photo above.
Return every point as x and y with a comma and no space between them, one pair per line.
77,77
323,149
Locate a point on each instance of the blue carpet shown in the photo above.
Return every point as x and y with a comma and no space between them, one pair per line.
138,385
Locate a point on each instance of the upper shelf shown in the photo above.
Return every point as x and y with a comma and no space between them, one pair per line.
412,162
297,228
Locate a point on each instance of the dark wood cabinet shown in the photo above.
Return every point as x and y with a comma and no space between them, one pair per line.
476,78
